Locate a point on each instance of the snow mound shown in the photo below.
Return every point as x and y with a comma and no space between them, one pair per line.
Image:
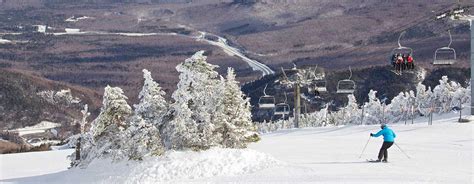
189,165
173,167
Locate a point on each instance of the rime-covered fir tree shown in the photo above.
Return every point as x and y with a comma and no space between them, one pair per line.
373,110
152,106
349,114
443,94
105,138
461,96
401,106
194,102
233,117
142,137
424,99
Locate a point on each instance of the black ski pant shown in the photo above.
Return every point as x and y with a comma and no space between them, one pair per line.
383,153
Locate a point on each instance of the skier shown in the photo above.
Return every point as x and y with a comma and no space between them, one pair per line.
388,139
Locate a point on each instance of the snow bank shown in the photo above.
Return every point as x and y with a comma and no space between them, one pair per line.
75,19
172,167
38,128
194,165
3,41
72,30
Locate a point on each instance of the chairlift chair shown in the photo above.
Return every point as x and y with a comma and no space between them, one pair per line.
320,86
346,86
282,109
266,101
445,55
402,49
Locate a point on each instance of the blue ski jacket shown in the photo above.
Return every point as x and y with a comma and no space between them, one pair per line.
388,134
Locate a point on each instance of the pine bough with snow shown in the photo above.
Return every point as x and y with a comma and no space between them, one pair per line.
441,99
207,111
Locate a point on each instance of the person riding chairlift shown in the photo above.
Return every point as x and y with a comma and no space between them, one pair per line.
399,62
411,63
393,61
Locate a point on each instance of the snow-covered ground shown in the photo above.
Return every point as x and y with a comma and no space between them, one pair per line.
439,153
38,128
4,41
75,19
232,51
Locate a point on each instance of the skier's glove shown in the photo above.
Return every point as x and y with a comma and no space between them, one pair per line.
371,134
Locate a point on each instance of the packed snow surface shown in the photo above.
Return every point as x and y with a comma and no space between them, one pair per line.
439,153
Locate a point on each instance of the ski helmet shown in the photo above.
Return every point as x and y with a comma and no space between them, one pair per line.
383,125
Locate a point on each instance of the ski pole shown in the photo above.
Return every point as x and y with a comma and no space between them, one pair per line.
364,147
402,151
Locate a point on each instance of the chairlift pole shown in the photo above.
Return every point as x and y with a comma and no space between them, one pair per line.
460,16
472,68
297,105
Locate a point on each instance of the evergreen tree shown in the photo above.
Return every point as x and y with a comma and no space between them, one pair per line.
141,139
105,138
373,109
424,99
443,94
152,106
233,117
195,102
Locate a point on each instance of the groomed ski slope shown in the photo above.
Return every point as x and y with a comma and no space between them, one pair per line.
440,153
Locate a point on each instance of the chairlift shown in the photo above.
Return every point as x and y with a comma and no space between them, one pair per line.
346,86
318,85
266,101
282,110
400,50
445,55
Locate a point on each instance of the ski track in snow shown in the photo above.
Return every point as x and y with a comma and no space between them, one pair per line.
221,43
440,153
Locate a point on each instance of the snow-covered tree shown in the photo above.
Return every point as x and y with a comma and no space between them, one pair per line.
373,110
424,99
350,114
105,138
152,106
195,101
443,94
401,106
233,117
316,119
141,139
113,115
461,96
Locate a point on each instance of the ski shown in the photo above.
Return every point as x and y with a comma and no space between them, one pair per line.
375,161
396,72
